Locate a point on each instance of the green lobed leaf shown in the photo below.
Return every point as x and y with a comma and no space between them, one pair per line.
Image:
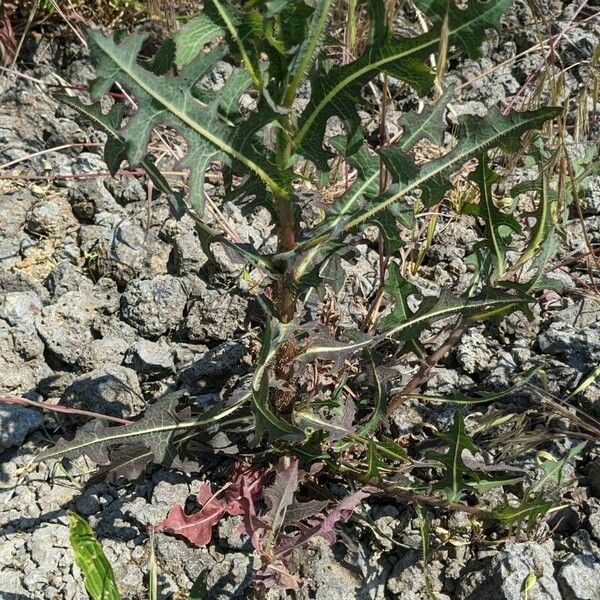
334,93
115,150
528,510
553,469
99,577
456,474
476,135
153,434
190,40
497,223
170,100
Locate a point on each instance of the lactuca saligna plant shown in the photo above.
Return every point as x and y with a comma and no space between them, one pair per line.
281,146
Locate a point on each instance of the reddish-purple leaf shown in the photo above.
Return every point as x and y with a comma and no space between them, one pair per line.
197,527
298,511
252,526
280,494
324,527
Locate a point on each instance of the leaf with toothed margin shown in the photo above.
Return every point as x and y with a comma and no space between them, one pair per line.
114,154
239,28
115,147
190,40
498,225
476,135
169,100
334,93
457,476
128,461
266,422
280,494
528,510
155,431
489,303
337,426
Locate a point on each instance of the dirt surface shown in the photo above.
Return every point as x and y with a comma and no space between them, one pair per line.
107,302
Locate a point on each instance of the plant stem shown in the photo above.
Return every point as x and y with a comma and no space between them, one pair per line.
285,298
283,400
351,28
424,372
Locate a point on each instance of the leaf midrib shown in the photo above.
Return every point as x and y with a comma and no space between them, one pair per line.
465,152
489,206
130,70
299,137
142,432
417,320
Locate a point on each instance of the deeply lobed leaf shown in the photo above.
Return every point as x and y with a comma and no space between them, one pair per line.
171,100
334,93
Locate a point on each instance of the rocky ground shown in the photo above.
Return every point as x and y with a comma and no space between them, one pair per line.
107,302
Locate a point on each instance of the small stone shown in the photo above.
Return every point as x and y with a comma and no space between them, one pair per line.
66,277
51,218
151,359
18,308
213,367
154,306
231,577
473,353
591,203
91,197
65,326
134,253
579,578
223,264
188,256
185,563
214,316
409,580
229,533
594,477
125,189
594,522
16,422
11,585
112,390
107,350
